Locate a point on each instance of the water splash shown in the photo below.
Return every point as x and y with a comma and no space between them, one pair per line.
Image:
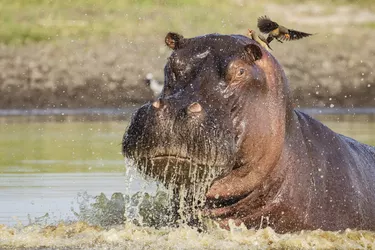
184,199
80,235
103,223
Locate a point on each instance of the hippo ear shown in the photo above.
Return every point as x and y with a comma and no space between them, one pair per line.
254,51
173,40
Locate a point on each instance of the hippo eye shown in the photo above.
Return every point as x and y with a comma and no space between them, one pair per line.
241,72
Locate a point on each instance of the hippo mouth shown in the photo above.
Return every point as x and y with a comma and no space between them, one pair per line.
179,169
171,146
224,202
175,158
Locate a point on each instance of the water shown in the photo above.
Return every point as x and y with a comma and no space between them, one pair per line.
49,163
52,197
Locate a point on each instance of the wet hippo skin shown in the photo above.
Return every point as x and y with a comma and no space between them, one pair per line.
225,118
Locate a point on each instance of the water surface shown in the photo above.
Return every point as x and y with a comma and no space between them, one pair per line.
48,162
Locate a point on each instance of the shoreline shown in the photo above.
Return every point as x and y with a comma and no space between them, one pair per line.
332,68
102,75
127,111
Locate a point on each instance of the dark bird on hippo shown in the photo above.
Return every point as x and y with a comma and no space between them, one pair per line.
278,32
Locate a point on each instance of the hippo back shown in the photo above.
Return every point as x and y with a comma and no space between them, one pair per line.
342,176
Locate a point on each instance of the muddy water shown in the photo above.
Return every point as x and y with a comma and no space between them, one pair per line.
52,167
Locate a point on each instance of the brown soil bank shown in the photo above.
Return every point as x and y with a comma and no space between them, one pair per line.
73,74
335,70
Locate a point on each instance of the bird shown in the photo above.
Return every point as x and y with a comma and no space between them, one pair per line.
260,39
278,32
155,86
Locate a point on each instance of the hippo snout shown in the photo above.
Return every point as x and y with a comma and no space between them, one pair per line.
189,111
178,143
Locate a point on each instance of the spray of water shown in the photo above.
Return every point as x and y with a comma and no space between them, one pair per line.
179,202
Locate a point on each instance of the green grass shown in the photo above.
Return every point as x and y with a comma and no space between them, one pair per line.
24,21
359,3
370,25
32,21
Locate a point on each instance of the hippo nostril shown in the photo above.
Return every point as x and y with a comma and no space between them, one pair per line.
194,108
157,104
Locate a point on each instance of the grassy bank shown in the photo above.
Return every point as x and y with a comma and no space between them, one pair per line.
37,20
96,53
24,21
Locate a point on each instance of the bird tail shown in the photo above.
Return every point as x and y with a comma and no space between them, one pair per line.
295,35
266,25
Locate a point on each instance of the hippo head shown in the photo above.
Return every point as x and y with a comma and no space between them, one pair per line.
215,115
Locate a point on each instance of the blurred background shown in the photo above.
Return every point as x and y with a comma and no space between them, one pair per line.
97,53
72,71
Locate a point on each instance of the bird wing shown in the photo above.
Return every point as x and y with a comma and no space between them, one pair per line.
265,41
294,35
266,25
269,39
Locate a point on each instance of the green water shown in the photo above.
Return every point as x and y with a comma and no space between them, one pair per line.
60,146
53,167
79,145
359,127
47,163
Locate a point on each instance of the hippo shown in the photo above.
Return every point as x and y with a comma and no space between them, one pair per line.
226,118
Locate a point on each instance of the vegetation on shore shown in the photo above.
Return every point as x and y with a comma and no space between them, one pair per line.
96,53
24,21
